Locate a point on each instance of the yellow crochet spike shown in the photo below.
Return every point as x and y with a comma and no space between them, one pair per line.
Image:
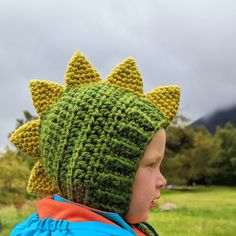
80,71
39,183
126,76
44,94
26,138
166,98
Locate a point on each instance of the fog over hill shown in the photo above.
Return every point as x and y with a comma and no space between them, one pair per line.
218,118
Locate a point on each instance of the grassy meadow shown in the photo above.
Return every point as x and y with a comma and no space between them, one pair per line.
204,211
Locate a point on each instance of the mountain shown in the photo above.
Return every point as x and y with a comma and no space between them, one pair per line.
217,118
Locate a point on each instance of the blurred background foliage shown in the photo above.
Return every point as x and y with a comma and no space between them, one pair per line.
196,156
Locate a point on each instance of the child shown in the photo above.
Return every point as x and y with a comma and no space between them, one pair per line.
98,146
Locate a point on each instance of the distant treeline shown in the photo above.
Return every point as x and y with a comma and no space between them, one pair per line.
195,156
192,156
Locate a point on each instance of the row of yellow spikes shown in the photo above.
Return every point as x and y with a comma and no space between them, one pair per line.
125,76
80,71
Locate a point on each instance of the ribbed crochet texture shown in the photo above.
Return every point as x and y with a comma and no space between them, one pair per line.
101,133
92,134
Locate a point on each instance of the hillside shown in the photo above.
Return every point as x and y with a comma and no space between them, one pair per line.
217,118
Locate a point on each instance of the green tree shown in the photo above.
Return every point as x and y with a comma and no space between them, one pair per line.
14,176
189,154
224,163
200,156
179,140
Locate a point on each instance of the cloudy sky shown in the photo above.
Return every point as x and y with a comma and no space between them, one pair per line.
187,42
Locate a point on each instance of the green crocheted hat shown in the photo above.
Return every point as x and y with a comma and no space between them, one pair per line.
92,134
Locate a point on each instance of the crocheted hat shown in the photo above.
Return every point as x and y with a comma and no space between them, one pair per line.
92,134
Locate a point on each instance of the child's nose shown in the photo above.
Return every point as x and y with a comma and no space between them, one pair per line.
162,182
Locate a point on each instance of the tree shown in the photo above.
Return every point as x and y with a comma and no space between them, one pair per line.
189,154
14,176
200,156
179,140
224,163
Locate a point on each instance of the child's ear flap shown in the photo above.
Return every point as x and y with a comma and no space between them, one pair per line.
166,98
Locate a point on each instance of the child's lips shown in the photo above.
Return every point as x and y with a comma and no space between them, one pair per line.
153,203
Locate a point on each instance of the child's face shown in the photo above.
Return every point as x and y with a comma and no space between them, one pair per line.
148,180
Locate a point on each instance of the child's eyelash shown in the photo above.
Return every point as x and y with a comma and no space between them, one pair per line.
152,164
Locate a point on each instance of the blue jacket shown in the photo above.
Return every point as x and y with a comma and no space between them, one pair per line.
58,216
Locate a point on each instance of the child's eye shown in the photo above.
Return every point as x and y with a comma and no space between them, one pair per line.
152,164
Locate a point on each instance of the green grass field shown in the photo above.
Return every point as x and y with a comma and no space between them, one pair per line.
203,211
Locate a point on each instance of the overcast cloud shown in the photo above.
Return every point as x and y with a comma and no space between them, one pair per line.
185,42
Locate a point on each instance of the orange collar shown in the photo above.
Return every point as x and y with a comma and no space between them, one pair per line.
74,212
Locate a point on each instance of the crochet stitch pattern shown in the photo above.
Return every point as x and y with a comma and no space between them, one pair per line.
91,134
